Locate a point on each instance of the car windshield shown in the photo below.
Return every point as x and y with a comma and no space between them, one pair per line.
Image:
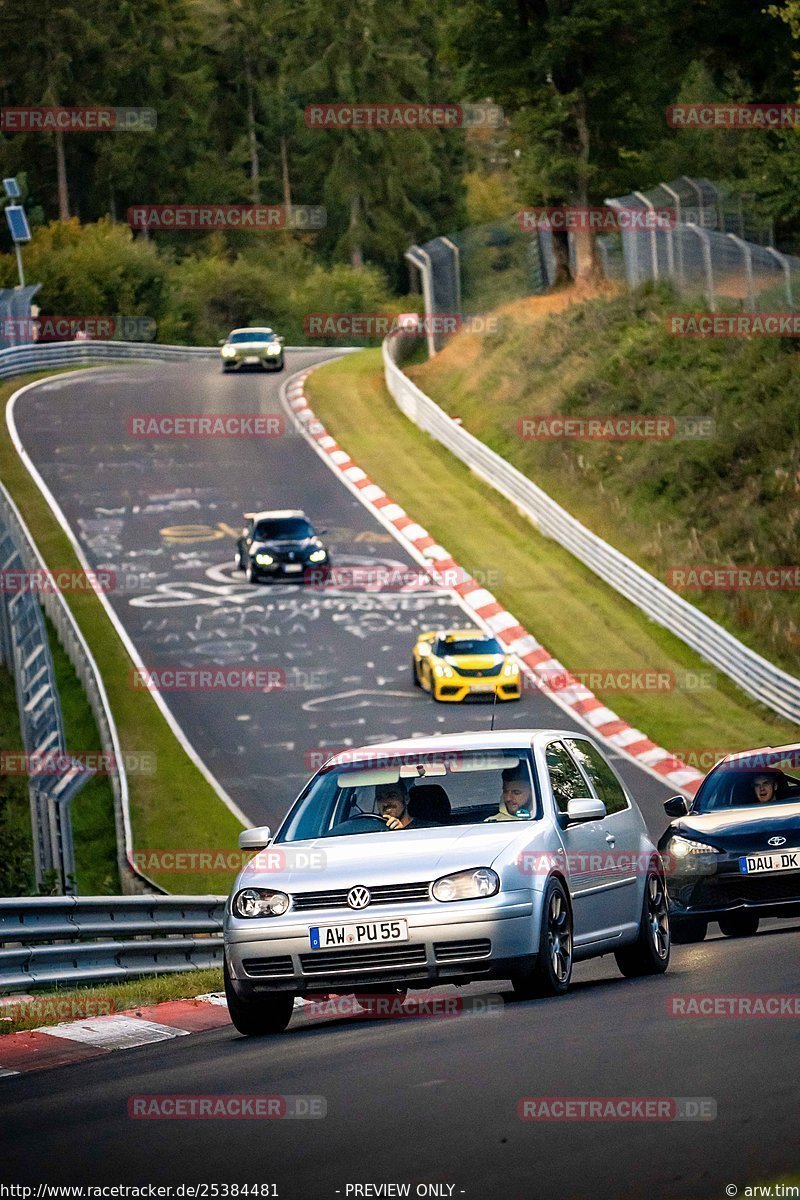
282,527
437,790
447,647
731,786
253,335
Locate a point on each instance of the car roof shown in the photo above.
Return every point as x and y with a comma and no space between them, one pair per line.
269,514
447,634
252,329
763,757
497,739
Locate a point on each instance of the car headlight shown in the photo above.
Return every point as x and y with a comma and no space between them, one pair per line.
511,668
317,556
467,885
443,671
228,352
259,902
273,349
682,847
264,560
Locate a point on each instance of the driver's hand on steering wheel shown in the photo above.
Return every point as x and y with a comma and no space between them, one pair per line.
392,822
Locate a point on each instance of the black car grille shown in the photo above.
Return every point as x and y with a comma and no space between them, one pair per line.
269,968
483,673
363,958
726,890
452,951
389,893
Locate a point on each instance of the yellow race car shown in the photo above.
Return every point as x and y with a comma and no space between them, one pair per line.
453,664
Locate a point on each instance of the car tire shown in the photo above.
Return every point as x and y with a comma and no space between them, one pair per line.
649,954
252,573
553,969
414,675
686,932
258,1017
739,924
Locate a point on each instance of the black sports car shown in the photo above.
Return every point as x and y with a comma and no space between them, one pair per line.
281,544
733,853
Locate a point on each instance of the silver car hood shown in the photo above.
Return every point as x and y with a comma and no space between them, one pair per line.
401,856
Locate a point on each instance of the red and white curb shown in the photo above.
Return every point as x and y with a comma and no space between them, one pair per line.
536,661
75,1041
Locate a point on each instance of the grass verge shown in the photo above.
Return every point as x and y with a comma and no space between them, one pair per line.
74,1004
730,496
174,808
579,619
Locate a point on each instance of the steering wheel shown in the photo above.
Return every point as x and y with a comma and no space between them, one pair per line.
356,821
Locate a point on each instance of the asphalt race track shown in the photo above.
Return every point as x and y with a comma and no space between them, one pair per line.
164,514
409,1101
435,1099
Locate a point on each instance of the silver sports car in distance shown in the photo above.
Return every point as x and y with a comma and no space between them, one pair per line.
504,855
256,347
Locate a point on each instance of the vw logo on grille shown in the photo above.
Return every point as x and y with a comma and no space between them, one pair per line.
358,897
776,841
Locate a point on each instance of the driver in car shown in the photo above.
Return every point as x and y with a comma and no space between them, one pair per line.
515,800
391,803
765,788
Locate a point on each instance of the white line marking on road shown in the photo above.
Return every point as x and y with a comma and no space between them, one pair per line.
115,1033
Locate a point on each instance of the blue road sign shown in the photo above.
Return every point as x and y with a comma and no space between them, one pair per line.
11,188
18,223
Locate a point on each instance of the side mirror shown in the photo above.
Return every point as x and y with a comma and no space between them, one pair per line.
281,340
676,806
222,341
586,810
255,839
321,531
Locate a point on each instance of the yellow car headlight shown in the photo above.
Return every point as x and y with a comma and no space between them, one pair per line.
228,352
317,556
264,560
442,671
511,668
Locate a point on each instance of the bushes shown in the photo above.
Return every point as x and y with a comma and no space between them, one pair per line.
102,270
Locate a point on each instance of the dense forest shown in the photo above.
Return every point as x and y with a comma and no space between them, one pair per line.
582,85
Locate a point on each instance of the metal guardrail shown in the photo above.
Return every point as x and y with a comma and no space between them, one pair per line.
754,674
19,359
28,654
70,940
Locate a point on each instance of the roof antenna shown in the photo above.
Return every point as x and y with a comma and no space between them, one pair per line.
494,707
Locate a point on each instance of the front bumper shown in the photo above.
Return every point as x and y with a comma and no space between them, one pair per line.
308,572
272,362
709,894
458,689
494,939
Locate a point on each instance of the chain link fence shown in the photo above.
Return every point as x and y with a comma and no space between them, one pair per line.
472,272
15,315
712,246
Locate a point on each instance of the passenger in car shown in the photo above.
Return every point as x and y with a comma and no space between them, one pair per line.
765,788
391,803
515,800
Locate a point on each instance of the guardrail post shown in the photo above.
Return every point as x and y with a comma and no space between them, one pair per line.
747,255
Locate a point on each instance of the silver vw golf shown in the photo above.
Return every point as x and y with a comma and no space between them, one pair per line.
449,859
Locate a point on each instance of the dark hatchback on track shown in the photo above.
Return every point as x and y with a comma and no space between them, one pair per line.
281,544
732,854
